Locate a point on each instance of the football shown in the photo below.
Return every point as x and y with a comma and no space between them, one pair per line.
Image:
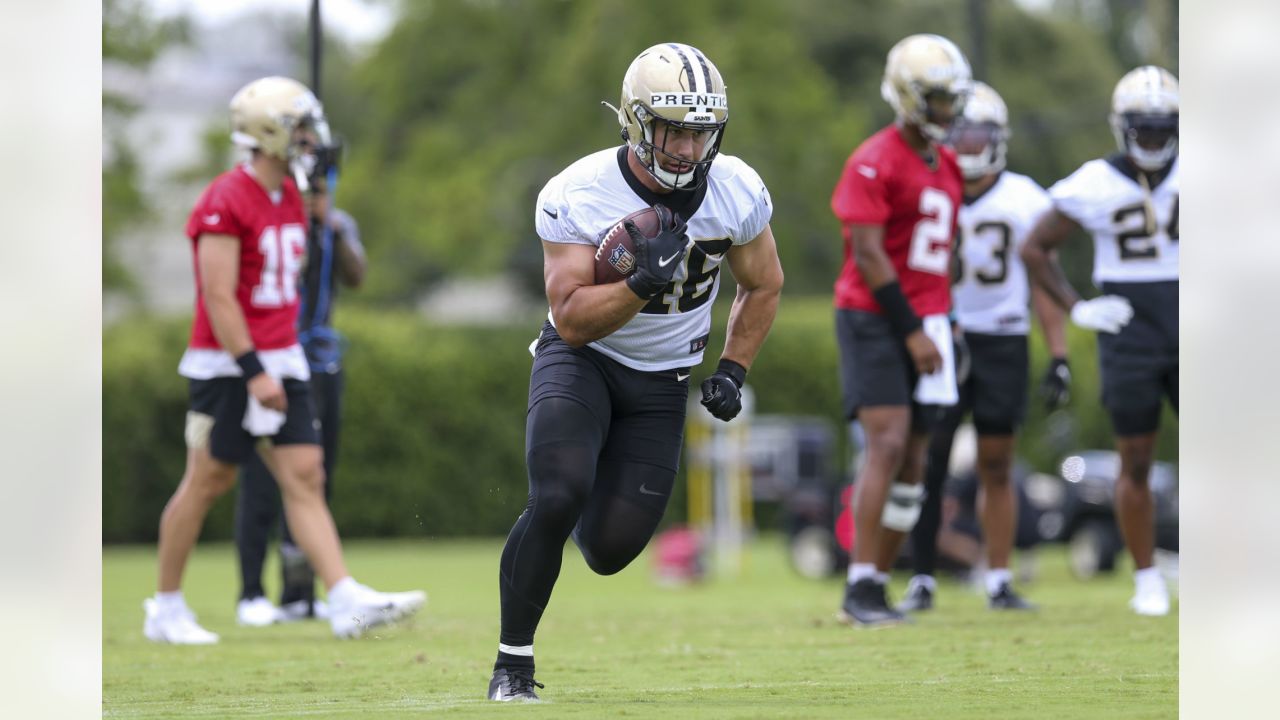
616,256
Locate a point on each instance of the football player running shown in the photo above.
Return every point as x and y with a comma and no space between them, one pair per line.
247,373
896,201
1129,203
990,296
610,378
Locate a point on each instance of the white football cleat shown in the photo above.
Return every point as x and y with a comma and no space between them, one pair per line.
258,612
1151,598
174,625
364,608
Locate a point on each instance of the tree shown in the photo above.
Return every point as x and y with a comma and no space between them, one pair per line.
466,109
472,107
130,39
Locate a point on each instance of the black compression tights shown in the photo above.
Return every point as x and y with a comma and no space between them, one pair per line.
577,479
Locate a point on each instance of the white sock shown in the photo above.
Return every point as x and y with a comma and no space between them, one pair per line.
882,578
1148,576
925,581
858,571
343,591
997,577
520,650
170,600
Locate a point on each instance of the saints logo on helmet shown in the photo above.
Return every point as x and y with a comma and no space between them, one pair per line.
274,115
981,135
674,85
1144,116
927,81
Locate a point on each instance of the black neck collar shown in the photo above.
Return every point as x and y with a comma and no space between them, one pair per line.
1125,166
682,202
971,199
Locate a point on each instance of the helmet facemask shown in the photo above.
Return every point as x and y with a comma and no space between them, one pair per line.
311,151
939,109
980,147
1149,139
653,152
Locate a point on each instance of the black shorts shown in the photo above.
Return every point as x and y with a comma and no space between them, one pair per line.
641,414
224,400
877,369
996,389
1139,364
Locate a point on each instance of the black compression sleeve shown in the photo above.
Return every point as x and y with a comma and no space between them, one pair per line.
897,310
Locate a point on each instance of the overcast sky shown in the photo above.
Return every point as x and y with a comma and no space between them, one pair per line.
357,20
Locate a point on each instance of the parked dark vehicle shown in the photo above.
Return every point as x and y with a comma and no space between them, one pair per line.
1074,506
1086,520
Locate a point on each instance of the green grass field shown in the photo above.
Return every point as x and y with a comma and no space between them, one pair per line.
765,644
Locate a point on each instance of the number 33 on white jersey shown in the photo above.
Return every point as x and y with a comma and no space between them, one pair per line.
990,291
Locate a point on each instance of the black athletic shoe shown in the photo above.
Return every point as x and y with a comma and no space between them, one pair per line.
513,684
865,603
918,598
1007,599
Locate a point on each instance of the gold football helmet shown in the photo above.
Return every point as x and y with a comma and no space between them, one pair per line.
1144,116
268,114
921,68
677,84
980,136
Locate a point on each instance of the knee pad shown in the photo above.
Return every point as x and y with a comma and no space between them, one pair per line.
902,510
197,430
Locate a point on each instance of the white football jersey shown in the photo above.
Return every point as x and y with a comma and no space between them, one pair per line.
991,293
1129,244
589,197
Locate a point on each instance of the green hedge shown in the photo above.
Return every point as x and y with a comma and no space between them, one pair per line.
433,429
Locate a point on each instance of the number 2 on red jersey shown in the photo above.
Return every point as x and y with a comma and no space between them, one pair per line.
281,259
931,240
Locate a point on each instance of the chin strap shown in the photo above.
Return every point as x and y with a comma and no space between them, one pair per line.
1147,202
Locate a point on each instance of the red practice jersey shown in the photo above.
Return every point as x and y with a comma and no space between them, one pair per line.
273,239
886,183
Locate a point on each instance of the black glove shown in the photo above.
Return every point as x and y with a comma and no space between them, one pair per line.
1055,388
722,392
657,257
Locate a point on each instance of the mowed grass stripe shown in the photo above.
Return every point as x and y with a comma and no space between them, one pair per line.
763,644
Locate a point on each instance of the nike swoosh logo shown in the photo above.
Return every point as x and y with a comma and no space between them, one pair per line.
212,219
555,214
682,378
663,262
646,491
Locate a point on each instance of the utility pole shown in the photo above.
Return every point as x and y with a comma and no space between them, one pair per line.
978,38
317,47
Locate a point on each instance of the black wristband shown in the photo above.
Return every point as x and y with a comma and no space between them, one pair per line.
250,365
736,372
634,281
897,310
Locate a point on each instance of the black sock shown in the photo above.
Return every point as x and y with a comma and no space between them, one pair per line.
256,509
513,662
924,535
